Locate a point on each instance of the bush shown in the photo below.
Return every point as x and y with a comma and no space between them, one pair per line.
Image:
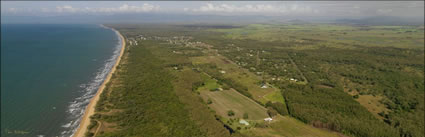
245,115
271,112
92,124
279,107
230,113
209,101
89,134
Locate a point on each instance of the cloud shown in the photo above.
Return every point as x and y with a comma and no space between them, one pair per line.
12,9
252,9
384,11
66,8
125,8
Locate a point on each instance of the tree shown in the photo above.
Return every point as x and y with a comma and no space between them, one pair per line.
230,113
245,115
271,112
209,101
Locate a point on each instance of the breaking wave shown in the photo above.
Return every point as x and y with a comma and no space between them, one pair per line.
77,107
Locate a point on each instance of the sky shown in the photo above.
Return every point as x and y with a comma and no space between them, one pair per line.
225,8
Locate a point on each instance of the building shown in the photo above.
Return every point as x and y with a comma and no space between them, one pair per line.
243,122
264,86
268,119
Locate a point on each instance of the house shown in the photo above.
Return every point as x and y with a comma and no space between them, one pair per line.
243,122
222,71
264,86
268,119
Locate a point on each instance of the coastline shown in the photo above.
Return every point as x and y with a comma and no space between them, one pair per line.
89,111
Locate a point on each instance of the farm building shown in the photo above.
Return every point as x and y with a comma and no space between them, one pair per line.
243,122
268,119
264,86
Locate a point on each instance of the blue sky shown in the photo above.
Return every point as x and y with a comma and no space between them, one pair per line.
268,8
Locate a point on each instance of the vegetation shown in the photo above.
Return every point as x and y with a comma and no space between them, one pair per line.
148,109
271,112
317,73
230,113
356,80
209,101
245,116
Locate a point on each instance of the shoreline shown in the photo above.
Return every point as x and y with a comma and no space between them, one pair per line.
89,111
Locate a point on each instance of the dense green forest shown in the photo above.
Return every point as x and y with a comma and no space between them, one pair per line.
145,103
149,105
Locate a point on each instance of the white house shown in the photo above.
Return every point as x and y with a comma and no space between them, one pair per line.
243,122
268,119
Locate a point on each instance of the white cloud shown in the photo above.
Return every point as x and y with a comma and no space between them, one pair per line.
384,11
45,10
66,8
253,9
125,8
12,9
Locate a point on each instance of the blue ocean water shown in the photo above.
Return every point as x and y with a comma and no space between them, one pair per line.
49,73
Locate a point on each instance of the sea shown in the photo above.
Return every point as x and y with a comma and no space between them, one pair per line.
49,73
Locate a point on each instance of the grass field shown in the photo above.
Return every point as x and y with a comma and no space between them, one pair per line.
274,96
373,103
223,101
244,77
289,127
210,84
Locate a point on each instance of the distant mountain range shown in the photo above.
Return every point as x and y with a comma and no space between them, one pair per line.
176,18
384,20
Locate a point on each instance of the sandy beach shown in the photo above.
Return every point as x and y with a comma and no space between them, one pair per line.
85,121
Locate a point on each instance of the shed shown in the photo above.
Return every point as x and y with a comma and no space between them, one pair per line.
243,122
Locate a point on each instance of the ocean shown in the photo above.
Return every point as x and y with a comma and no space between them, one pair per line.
49,72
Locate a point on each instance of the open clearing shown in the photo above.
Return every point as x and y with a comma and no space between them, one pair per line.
223,101
243,77
289,127
371,103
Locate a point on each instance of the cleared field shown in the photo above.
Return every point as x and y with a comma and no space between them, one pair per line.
289,127
275,96
223,101
210,84
243,77
372,103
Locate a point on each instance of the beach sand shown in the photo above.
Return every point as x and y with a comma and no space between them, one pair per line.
85,121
